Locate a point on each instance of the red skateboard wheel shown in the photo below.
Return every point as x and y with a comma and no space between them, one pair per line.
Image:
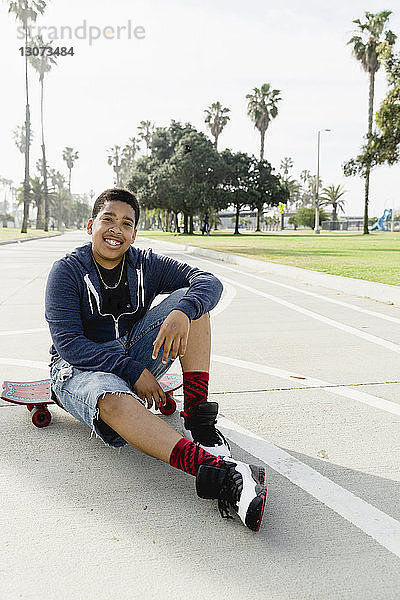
41,417
169,407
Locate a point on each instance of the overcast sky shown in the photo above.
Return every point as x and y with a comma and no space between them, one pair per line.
192,53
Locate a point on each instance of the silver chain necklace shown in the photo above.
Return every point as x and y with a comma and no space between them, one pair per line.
111,287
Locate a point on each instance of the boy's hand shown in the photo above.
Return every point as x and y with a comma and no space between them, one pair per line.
148,388
173,334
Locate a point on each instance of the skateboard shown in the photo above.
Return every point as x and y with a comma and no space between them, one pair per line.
36,395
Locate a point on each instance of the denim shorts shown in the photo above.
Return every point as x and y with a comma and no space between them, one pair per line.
79,391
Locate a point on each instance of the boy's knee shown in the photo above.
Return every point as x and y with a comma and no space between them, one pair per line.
203,320
110,404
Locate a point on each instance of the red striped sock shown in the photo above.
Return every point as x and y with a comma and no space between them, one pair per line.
188,456
195,389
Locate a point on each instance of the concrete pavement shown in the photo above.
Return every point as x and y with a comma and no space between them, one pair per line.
308,382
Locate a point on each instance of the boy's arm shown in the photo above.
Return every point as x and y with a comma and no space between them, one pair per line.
63,314
204,291
204,288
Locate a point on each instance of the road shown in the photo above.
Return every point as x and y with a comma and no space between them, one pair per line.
308,383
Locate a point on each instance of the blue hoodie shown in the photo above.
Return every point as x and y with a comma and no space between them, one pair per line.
74,305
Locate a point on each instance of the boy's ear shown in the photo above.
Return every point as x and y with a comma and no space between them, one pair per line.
89,226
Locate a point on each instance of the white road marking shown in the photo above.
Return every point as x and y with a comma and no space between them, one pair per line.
309,313
363,397
19,362
381,527
230,293
307,293
21,331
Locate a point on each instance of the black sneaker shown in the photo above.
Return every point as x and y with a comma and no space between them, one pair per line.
200,428
236,484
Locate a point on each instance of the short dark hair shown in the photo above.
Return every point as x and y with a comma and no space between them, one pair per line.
116,195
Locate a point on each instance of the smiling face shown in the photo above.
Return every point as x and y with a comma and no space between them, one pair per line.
113,230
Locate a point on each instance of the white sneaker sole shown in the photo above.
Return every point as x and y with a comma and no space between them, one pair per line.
253,497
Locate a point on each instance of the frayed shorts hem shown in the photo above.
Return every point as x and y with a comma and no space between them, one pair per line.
103,431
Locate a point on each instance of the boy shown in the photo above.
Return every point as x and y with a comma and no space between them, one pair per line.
109,349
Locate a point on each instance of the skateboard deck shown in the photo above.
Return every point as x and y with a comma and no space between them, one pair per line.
36,395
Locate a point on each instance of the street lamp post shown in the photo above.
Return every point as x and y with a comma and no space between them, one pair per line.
316,228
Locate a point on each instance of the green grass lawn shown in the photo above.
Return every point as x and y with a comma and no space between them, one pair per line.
374,257
9,234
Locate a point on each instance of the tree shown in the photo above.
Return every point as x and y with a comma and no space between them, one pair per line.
286,164
145,132
216,119
262,107
19,135
307,190
114,160
165,140
26,12
180,176
195,169
386,143
383,147
305,175
365,49
6,184
60,198
237,182
70,156
294,189
42,65
80,211
37,197
331,195
293,186
266,188
128,154
306,216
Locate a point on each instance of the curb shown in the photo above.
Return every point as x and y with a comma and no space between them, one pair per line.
381,292
42,237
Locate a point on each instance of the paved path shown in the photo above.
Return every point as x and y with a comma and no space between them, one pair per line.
308,382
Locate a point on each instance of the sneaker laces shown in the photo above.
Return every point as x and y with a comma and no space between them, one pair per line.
231,490
204,430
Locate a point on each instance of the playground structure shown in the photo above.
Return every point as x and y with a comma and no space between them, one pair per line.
381,223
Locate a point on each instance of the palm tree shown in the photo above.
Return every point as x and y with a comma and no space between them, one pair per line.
26,12
294,189
366,51
37,196
70,156
331,195
305,176
19,135
216,119
127,158
286,164
60,198
262,107
42,65
114,160
145,133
